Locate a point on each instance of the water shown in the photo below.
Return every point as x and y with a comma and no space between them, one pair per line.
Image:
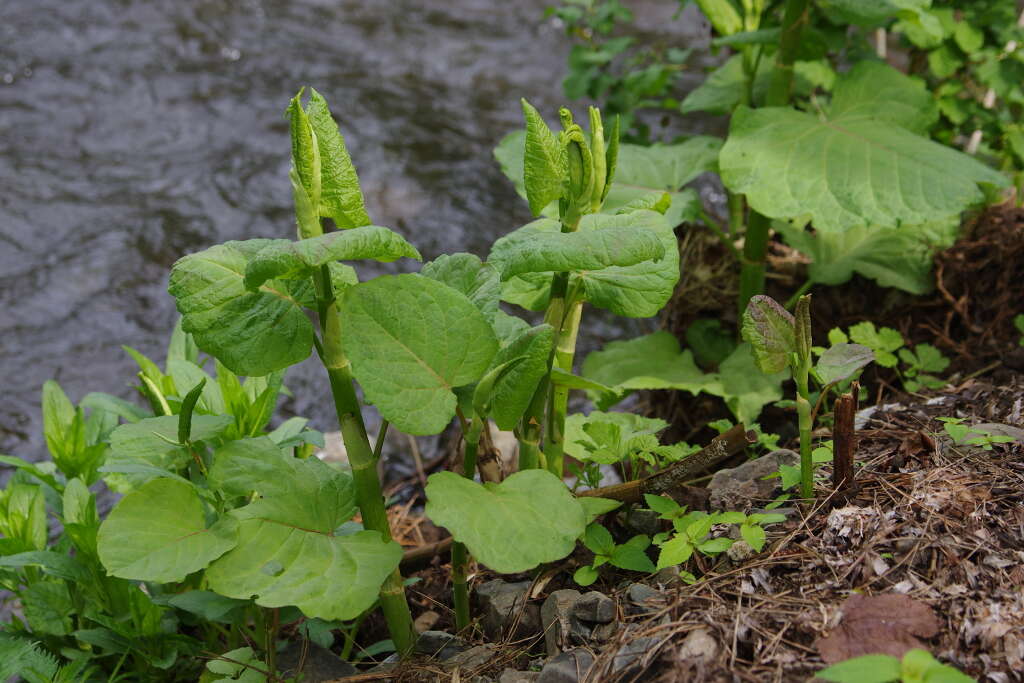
133,132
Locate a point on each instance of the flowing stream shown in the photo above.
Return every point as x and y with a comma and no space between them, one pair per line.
133,132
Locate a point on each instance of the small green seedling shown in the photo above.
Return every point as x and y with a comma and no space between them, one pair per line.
780,341
630,555
917,666
1018,322
916,368
984,439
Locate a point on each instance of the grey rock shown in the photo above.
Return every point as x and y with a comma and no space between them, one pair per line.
602,633
698,643
640,520
644,599
440,645
560,626
475,657
741,487
667,576
502,604
568,667
513,676
594,607
629,660
319,664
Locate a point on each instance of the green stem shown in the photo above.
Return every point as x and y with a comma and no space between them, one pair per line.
755,250
460,556
530,427
564,353
796,15
272,626
369,495
716,228
804,288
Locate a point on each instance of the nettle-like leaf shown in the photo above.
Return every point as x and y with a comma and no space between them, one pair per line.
526,520
840,361
411,341
251,332
544,167
853,168
340,196
159,533
884,341
640,174
894,257
583,429
288,260
468,274
770,330
637,291
287,551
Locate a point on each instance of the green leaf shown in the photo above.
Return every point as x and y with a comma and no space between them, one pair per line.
411,341
894,257
594,507
48,607
663,505
58,415
547,252
746,390
598,540
305,155
710,342
237,666
924,358
726,87
287,260
466,273
528,519
882,341
632,558
676,550
545,167
715,546
159,533
770,330
207,604
754,536
876,90
630,425
840,361
288,553
512,393
340,198
872,12
864,669
846,171
723,16
585,576
154,441
251,332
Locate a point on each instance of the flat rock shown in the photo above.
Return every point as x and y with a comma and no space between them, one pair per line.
570,666
741,487
439,645
475,657
320,664
513,676
628,660
502,604
594,607
643,598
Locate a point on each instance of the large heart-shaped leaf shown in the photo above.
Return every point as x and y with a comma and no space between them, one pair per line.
251,332
877,90
287,260
894,257
287,552
412,340
636,291
528,519
159,533
854,168
466,273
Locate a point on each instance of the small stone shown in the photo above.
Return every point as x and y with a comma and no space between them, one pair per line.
698,643
640,520
426,621
741,487
642,597
568,667
475,657
513,676
439,645
318,664
667,576
628,661
594,607
602,633
502,604
558,622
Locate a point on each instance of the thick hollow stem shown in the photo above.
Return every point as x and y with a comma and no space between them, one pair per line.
565,352
795,17
364,472
755,248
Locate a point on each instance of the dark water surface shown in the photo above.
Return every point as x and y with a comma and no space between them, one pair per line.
134,132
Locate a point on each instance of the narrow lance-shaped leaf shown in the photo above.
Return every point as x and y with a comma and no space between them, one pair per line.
411,341
305,153
528,519
284,259
544,161
770,330
159,533
185,415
